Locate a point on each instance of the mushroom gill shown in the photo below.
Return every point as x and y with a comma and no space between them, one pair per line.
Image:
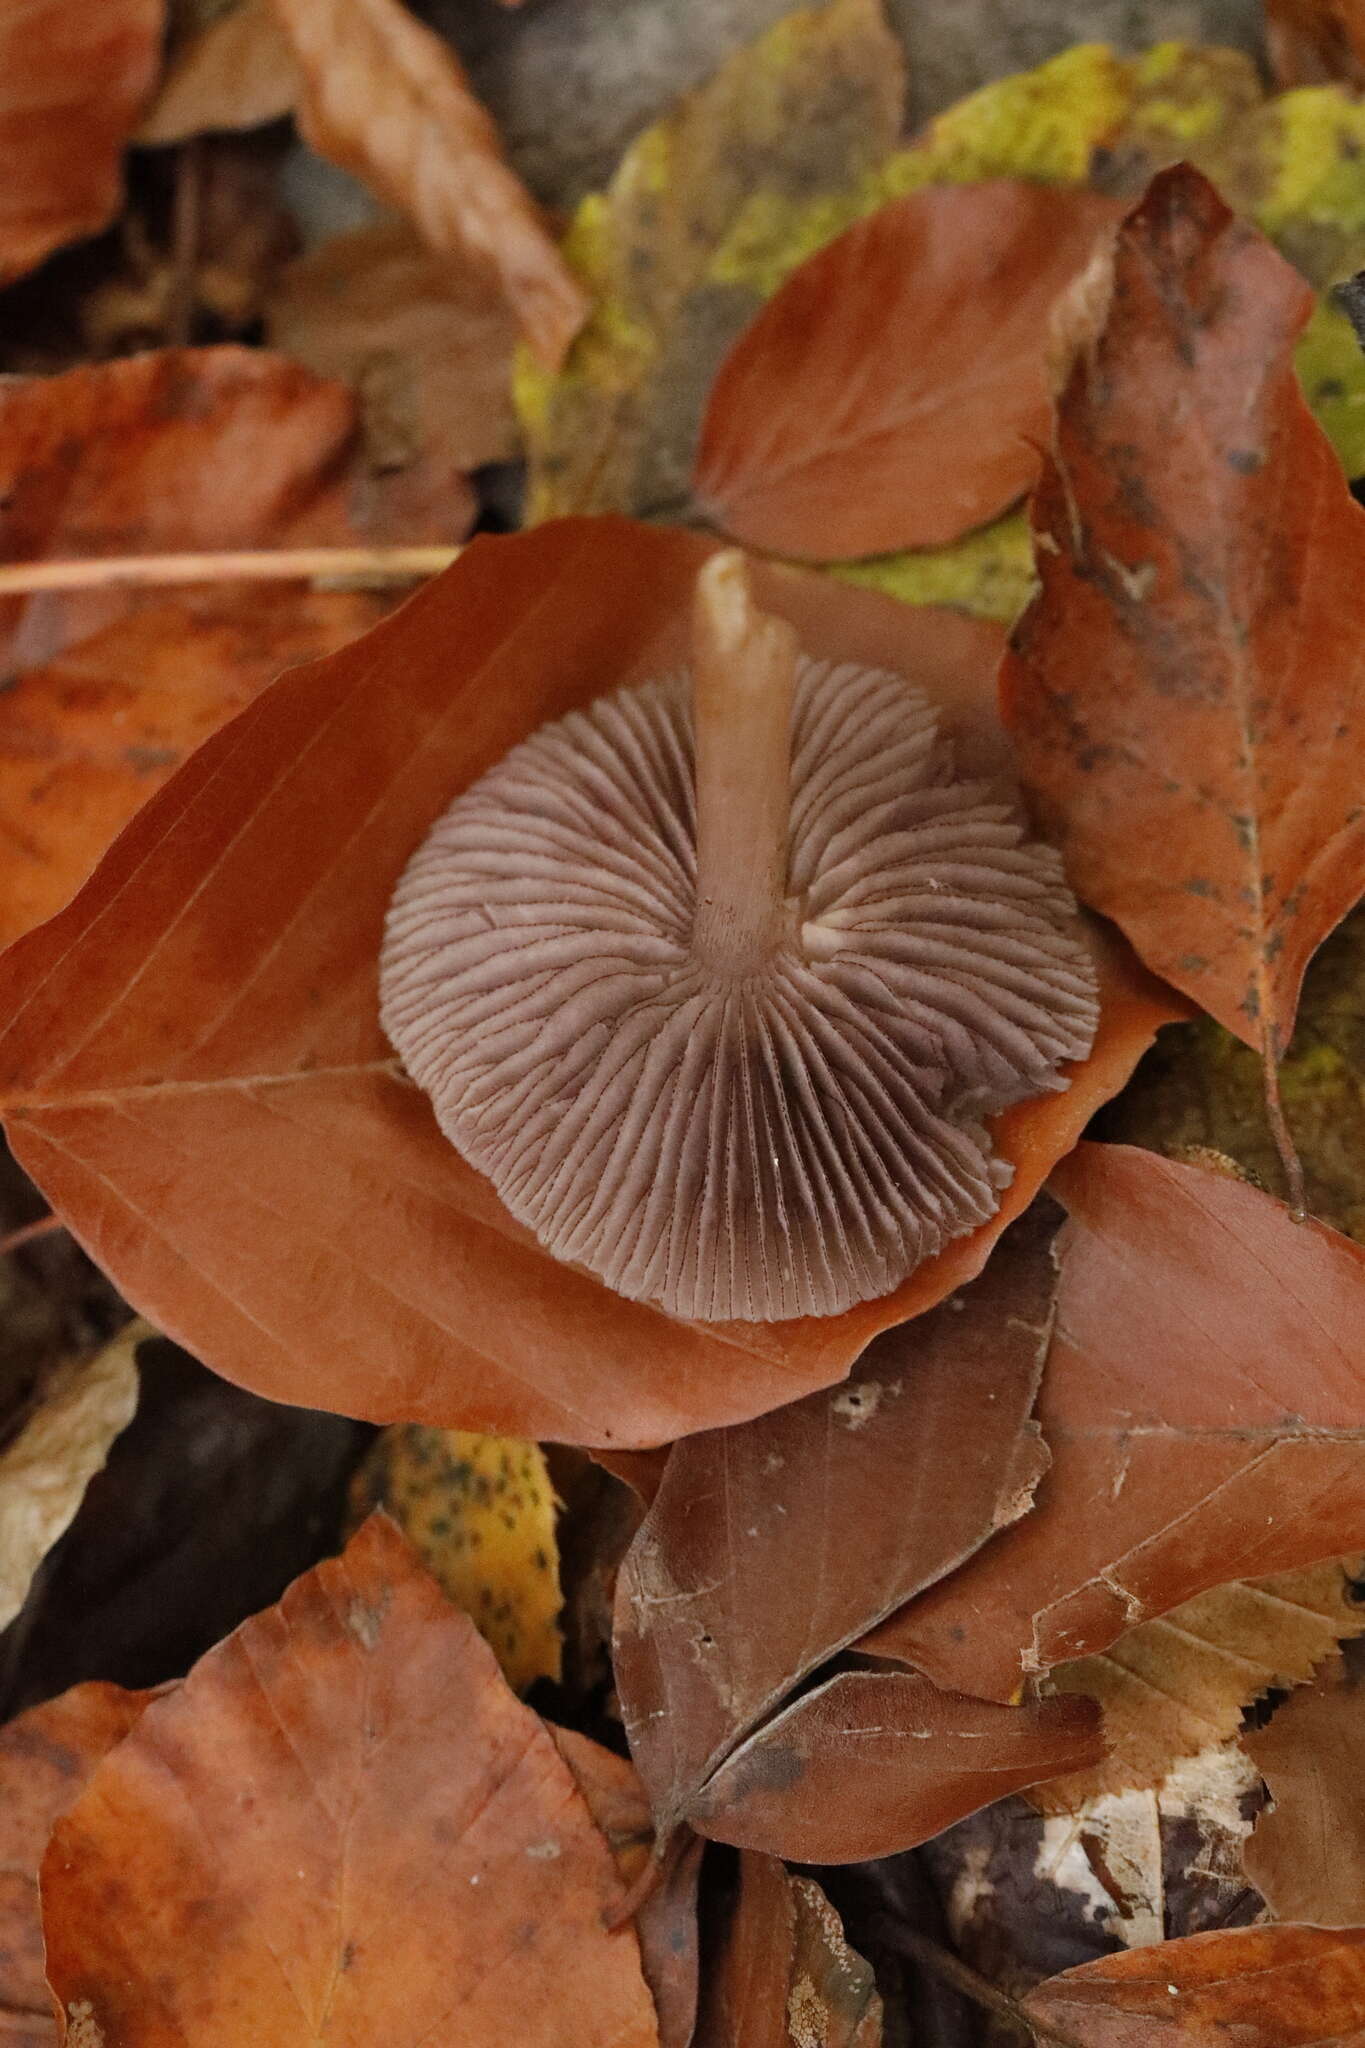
716,979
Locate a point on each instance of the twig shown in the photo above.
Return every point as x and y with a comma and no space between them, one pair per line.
187,209
28,1232
286,565
941,1962
1279,1130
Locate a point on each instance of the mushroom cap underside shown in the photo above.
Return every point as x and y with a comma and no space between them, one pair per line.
780,1143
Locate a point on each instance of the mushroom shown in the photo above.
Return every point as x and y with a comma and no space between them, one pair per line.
716,981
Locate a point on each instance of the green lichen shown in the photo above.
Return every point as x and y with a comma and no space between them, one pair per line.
988,573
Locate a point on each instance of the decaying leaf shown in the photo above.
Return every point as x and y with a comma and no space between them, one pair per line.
480,1513
786,1977
87,737
742,1578
414,1857
425,343
238,71
1164,1481
1262,1987
894,391
46,1468
384,97
1183,691
919,1758
187,450
1307,1854
73,81
1178,1684
1311,40
46,1757
224,1081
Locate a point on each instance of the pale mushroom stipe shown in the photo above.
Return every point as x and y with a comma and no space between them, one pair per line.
716,979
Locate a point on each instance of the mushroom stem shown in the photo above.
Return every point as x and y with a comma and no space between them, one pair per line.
744,677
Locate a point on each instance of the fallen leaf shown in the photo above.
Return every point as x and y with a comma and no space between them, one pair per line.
87,737
46,1758
1182,691
1307,1854
921,1759
186,450
1309,40
785,1976
424,342
73,80
480,1513
1178,1684
797,118
45,1469
178,1911
741,1579
207,1097
1262,1987
237,71
1164,1481
385,98
894,391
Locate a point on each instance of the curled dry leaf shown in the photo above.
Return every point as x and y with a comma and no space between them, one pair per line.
894,392
480,1513
237,71
208,1098
1165,1481
1185,690
1307,1854
88,736
45,1469
73,80
1262,1987
176,1911
384,97
188,450
785,1976
1178,1684
46,1757
742,1579
426,344
919,1758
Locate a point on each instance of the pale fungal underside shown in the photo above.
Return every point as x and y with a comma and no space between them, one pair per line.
777,1138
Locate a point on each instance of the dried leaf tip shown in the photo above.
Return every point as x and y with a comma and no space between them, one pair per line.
716,979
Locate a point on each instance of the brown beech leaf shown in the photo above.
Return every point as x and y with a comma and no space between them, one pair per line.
342,1828
235,72
741,1579
426,343
192,1066
872,1762
786,1977
188,450
86,738
1257,1987
1165,1479
46,1756
1307,1854
894,392
1313,40
385,98
1184,691
73,80
1178,1684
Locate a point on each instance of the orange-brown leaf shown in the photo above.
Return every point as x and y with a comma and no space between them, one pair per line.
192,1066
342,1828
1307,1854
920,1758
1313,40
384,97
1260,1987
1201,1401
46,1757
237,71
785,1976
892,394
1185,692
73,80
